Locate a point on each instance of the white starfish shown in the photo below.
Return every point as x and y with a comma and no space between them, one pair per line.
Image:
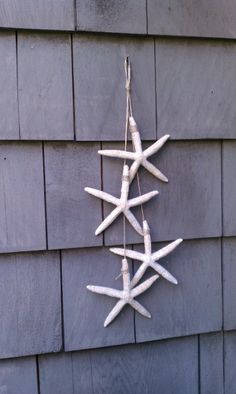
127,295
148,258
122,203
139,156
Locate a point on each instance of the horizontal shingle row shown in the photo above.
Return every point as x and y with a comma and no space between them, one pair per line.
184,365
43,202
35,290
178,18
62,87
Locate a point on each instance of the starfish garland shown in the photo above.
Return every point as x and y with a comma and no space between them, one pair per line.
127,295
122,203
148,258
139,156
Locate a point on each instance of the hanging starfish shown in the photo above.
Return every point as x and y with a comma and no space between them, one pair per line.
122,203
148,258
127,295
139,156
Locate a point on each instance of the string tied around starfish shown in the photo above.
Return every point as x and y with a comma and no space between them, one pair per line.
122,204
126,295
139,156
149,258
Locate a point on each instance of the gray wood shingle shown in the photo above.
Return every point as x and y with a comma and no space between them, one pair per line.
45,86
100,85
22,208
211,363
229,187
56,373
30,304
167,366
9,125
115,16
18,376
40,14
85,312
229,365
194,88
182,309
72,214
204,18
229,276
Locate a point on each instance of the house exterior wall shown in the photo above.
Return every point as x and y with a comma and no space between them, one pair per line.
62,98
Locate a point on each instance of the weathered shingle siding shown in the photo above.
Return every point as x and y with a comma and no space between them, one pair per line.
62,98
40,14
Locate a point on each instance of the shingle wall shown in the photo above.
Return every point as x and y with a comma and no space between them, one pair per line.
62,98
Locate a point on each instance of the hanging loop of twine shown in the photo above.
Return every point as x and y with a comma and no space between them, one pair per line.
129,112
127,67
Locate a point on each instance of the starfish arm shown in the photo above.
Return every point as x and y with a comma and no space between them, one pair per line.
114,312
142,199
138,274
166,250
154,171
156,146
163,272
133,221
133,170
120,154
143,286
108,220
140,309
102,195
136,139
132,254
105,290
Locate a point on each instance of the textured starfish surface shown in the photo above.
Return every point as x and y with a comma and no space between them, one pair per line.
139,156
127,295
122,203
148,258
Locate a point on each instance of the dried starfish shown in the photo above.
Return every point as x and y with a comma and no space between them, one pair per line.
139,156
148,258
126,295
122,203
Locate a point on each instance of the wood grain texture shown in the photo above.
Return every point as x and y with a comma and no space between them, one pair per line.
18,376
9,125
229,277
167,366
41,14
113,16
45,86
229,359
100,86
182,309
229,188
72,214
30,304
211,363
204,18
22,208
189,206
85,312
56,374
194,88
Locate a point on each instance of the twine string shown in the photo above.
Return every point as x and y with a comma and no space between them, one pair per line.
127,89
129,112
